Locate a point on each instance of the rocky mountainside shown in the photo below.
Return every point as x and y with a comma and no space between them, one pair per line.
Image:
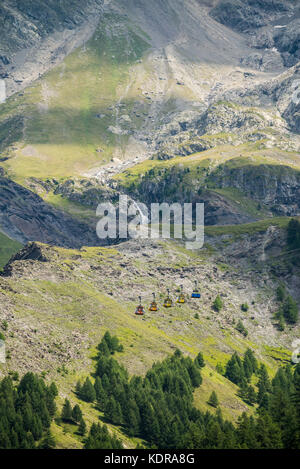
272,26
36,35
165,101
183,89
25,216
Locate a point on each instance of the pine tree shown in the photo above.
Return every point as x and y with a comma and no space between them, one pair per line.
100,393
264,387
82,427
76,414
280,293
264,378
281,323
241,328
78,388
213,400
234,369
132,422
48,442
243,390
199,360
103,349
250,357
108,339
248,370
268,434
113,411
53,390
251,395
66,413
290,310
88,393
218,304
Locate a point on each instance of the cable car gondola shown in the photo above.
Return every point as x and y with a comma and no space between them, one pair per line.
140,309
181,297
168,301
153,306
196,293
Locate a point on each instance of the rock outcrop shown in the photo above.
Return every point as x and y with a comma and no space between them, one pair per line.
269,23
36,35
26,217
278,187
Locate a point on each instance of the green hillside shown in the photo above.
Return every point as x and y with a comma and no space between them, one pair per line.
57,132
68,301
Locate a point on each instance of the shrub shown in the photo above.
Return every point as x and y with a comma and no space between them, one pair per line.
241,328
213,400
218,304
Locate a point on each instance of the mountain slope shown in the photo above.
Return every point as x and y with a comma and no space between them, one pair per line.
155,81
35,36
58,303
166,101
108,281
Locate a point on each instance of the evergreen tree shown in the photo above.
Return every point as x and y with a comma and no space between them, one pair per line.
241,328
213,400
66,413
48,442
88,393
103,348
132,421
218,304
290,310
76,414
199,360
250,358
159,407
234,369
100,393
280,293
53,390
78,388
243,390
251,395
281,323
113,411
99,438
82,427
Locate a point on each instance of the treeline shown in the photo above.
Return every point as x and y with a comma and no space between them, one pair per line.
99,437
277,401
26,411
159,407
288,311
